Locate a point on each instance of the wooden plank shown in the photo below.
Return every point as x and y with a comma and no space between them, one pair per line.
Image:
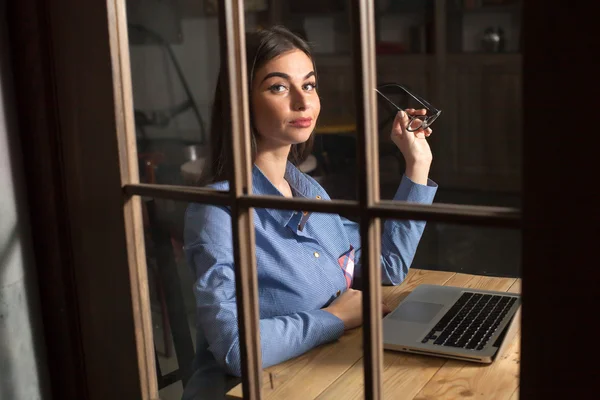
516,287
132,208
498,380
236,104
350,385
481,282
362,16
404,375
314,371
112,325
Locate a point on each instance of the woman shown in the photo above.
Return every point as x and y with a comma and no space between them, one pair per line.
305,261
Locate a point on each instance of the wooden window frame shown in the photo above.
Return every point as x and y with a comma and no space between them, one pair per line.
109,345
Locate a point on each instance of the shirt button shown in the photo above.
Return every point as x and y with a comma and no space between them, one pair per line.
337,294
317,255
318,197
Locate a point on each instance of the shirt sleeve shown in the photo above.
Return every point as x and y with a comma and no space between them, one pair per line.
209,251
400,238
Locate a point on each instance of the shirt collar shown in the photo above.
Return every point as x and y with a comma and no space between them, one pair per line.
301,186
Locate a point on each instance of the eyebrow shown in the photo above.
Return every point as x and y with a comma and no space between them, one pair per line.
285,76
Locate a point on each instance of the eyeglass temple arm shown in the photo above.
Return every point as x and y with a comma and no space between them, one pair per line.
411,117
414,96
420,100
388,100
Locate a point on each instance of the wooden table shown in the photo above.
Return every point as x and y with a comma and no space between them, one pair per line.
335,370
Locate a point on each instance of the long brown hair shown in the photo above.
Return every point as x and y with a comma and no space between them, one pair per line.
261,47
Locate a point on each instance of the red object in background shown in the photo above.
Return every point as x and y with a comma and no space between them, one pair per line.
151,160
390,48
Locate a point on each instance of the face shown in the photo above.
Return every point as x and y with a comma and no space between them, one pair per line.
284,99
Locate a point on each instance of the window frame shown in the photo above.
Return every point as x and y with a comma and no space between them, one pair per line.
369,207
58,111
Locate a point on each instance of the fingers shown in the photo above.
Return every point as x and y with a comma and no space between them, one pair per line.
412,111
405,124
420,133
415,126
399,125
423,133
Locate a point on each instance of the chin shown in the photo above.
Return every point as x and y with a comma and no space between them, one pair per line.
298,136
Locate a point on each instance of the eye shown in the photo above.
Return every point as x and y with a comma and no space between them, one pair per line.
277,88
310,86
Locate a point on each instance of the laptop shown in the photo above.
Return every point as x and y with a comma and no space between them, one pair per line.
453,322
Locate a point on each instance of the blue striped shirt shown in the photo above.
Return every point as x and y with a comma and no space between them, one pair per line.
298,270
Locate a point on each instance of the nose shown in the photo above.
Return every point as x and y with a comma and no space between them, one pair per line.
300,100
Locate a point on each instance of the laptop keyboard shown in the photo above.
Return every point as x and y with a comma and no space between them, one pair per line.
471,321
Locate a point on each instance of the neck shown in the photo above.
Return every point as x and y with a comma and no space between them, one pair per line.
272,163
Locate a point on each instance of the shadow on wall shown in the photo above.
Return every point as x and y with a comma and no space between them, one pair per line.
6,249
23,368
22,361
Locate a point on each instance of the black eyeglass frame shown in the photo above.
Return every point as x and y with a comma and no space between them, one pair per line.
432,112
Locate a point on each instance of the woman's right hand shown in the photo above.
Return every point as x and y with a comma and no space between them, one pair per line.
413,145
348,308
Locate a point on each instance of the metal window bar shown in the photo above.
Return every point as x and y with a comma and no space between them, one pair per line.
369,207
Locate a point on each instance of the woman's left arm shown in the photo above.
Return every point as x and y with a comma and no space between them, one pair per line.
400,238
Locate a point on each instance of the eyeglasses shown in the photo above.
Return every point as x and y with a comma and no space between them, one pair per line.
416,122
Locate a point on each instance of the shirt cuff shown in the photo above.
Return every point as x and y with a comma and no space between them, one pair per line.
414,192
333,327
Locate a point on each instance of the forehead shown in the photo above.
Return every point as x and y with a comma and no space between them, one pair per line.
294,63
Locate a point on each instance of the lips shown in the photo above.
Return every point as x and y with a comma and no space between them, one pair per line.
301,122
